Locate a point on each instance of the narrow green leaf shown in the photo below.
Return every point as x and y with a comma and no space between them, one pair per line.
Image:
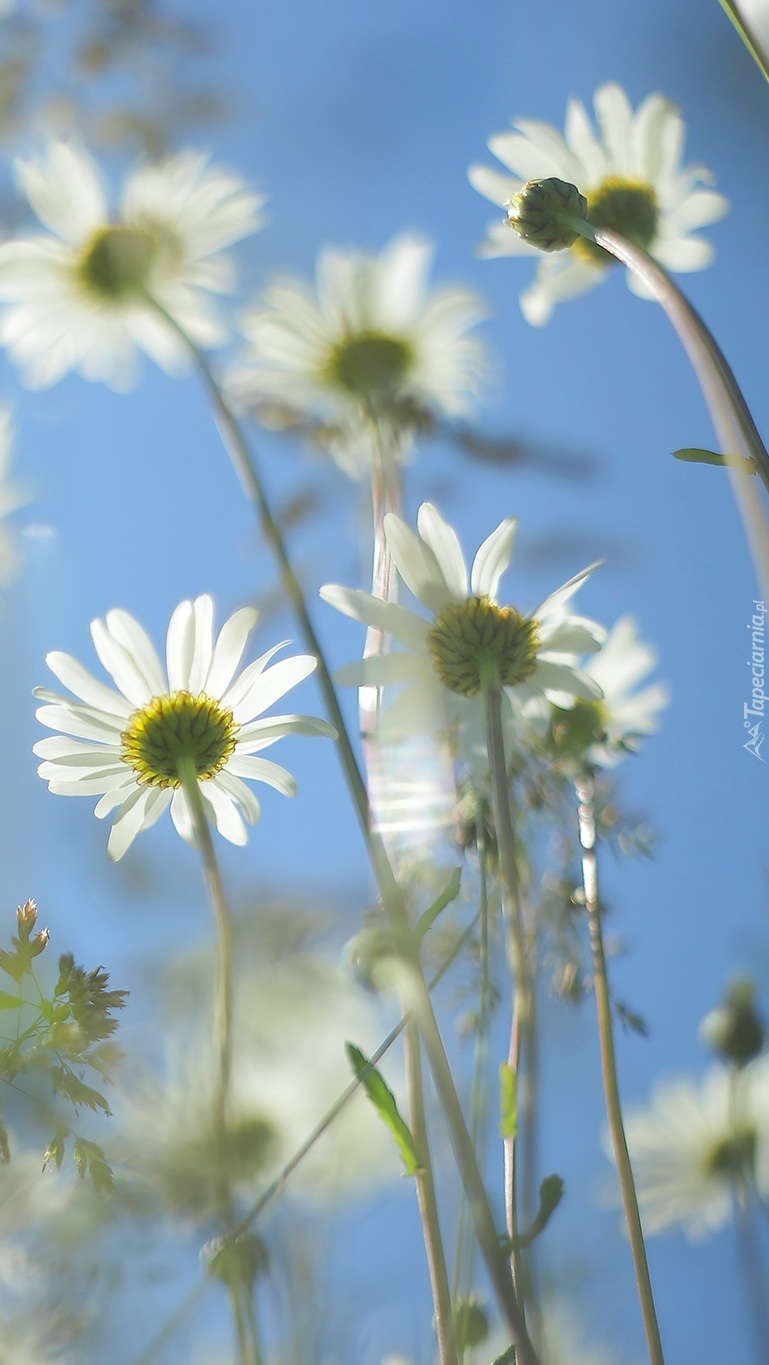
507,1357
10,1002
449,894
508,1102
693,455
383,1101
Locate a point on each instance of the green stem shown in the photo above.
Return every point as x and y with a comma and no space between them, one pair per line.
751,43
730,414
242,1303
392,900
503,820
428,1204
584,788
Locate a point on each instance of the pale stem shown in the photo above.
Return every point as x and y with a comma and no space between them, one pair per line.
242,1302
237,449
584,788
730,414
503,820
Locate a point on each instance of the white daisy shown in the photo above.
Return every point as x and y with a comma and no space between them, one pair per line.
468,634
79,295
603,732
126,746
630,171
696,1145
12,497
369,346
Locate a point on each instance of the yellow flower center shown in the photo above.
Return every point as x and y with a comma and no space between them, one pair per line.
626,206
175,728
116,262
476,642
370,365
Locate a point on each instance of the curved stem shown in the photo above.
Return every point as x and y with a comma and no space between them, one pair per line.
392,899
730,414
587,836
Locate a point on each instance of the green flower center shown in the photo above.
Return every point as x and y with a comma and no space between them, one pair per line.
626,206
733,1156
116,262
476,642
178,728
370,365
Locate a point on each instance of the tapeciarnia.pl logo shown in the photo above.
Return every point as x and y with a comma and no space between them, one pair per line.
753,712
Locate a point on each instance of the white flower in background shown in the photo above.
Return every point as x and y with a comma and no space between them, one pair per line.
126,746
369,347
78,295
293,1016
12,497
696,1145
603,732
629,168
468,634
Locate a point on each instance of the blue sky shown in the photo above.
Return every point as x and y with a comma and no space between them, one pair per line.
359,122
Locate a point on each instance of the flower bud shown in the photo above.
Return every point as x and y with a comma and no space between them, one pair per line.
735,1029
26,918
542,212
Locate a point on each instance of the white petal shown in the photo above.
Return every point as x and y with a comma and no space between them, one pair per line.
228,650
131,819
442,539
416,564
262,770
78,679
389,617
492,559
273,683
126,630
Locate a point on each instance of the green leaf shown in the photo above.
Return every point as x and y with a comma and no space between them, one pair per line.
692,455
55,1149
507,1357
508,1101
449,894
383,1101
10,1002
90,1157
78,1092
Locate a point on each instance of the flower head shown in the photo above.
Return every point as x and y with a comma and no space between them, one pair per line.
129,746
695,1147
81,295
629,169
469,640
603,732
369,347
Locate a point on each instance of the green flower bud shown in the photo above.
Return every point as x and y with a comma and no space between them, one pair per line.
542,212
735,1029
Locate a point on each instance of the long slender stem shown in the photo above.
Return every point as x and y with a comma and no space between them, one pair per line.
730,414
754,1283
392,900
242,1302
503,819
587,836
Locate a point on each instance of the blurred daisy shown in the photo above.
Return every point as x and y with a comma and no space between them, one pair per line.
79,295
696,1147
603,732
127,746
12,497
468,635
293,1013
629,168
369,348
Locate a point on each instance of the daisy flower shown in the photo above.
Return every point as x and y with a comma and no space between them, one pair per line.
629,168
127,745
369,347
695,1146
468,636
80,296
602,732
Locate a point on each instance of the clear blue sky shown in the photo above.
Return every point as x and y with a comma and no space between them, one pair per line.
359,121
